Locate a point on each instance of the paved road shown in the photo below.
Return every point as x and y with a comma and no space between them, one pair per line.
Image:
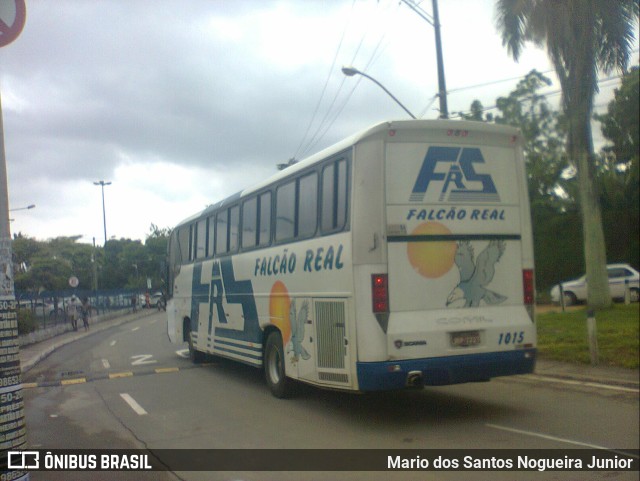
142,392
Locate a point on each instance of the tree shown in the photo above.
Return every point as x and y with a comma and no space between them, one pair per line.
621,123
156,246
581,37
476,112
555,220
619,169
544,138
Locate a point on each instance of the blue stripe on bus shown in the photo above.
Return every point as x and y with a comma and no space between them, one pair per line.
230,343
238,355
451,237
239,292
439,371
221,281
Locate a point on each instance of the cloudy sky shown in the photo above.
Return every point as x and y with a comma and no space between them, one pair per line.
179,103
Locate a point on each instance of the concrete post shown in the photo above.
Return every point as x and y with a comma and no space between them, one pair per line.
593,337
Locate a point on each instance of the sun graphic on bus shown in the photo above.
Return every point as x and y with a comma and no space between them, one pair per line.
279,308
431,259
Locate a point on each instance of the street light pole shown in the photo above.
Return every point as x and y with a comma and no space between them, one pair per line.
351,71
102,183
31,206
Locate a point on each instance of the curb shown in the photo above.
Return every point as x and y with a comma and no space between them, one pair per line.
582,373
591,380
28,364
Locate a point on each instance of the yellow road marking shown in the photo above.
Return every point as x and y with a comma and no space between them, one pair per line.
79,380
166,369
116,375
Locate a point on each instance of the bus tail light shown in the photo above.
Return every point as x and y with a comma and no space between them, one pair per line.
528,291
380,299
380,293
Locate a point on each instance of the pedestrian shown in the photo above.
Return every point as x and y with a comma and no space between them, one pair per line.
86,311
55,308
72,312
133,302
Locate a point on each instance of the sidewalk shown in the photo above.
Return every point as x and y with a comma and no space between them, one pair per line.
613,376
32,354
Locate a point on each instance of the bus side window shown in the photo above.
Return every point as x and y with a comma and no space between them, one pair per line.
285,211
212,236
192,242
249,223
341,186
264,220
201,239
183,245
221,231
334,197
234,228
307,218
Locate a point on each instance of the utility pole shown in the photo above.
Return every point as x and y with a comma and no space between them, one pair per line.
434,21
13,434
102,183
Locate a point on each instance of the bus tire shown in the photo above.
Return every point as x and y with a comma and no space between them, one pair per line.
196,356
274,371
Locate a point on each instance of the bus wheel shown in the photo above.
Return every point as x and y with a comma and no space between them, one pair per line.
274,366
196,356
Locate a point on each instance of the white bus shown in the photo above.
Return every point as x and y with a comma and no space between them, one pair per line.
400,257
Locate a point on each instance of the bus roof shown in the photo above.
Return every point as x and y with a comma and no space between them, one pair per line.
350,142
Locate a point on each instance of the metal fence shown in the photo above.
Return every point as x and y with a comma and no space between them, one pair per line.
49,308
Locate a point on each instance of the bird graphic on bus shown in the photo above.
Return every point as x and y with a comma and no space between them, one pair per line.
474,276
298,322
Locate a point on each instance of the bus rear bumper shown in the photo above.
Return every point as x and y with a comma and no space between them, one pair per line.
440,371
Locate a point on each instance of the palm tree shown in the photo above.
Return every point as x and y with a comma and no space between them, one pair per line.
581,38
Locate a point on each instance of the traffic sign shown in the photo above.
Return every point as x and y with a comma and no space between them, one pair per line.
73,281
13,14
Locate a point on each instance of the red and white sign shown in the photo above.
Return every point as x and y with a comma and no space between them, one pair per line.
13,14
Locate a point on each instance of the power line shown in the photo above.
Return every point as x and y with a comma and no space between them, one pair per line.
326,83
542,94
331,115
492,82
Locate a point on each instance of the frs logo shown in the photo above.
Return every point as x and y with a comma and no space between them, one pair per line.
461,181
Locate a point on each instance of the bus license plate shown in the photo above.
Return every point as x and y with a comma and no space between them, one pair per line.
465,339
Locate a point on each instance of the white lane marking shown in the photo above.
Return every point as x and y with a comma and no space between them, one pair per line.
140,359
554,438
572,382
105,364
183,353
133,404
113,343
135,329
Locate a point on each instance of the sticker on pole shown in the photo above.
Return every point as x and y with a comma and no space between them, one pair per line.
13,14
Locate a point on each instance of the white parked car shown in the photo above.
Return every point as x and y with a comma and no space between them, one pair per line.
576,290
39,308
